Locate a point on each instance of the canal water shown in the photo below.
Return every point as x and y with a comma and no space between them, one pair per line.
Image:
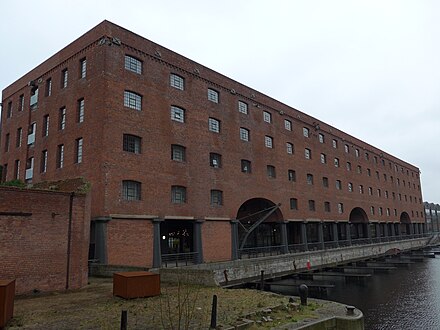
404,299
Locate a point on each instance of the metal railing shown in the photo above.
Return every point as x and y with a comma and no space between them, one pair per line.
263,251
179,259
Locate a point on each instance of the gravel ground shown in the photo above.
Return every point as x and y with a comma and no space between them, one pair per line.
178,307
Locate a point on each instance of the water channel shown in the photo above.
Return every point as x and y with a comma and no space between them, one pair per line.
404,299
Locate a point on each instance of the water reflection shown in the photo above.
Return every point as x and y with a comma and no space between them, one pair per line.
406,298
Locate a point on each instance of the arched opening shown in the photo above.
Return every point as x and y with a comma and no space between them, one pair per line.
405,224
358,224
259,229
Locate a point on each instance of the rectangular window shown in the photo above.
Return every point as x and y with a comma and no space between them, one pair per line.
340,208
4,173
311,205
214,125
132,100
359,169
178,194
287,124
31,133
133,64
19,137
215,160
33,102
291,175
49,87
177,81
216,197
361,189
323,159
348,166
267,117
21,103
131,190
62,118
289,147
310,179
380,211
212,95
321,138
43,164
82,68
17,170
335,143
325,182
271,171
244,134
336,162
293,204
7,137
326,206
350,187
307,153
9,110
178,153
246,166
80,117
45,125
372,210
242,107
306,132
347,148
78,150
64,78
60,156
29,172
367,156
177,114
356,151
338,184
268,141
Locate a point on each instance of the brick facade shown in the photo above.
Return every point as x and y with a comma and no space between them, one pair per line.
34,236
394,184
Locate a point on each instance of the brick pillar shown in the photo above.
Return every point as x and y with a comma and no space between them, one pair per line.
411,229
101,238
234,240
369,231
198,246
304,235
385,230
377,231
284,240
157,254
335,233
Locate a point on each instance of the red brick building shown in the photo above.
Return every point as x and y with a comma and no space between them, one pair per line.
182,159
44,239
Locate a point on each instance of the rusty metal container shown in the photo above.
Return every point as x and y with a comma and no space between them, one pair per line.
7,295
136,284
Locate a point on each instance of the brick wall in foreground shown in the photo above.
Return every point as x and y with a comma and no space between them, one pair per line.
34,236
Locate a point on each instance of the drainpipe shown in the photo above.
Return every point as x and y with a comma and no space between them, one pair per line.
69,238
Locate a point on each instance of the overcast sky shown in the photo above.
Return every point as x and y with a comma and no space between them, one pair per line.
370,68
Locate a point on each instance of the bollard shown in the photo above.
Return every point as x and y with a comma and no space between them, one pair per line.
214,313
124,320
303,293
262,280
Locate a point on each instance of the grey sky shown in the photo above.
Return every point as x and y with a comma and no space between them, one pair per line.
370,68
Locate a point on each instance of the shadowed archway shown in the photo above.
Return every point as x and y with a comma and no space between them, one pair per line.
358,223
405,224
259,224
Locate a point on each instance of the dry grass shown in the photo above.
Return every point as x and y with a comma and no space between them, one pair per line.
178,307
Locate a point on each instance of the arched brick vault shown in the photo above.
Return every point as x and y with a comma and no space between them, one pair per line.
358,223
358,215
268,232
404,218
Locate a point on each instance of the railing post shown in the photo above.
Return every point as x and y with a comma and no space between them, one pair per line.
335,233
